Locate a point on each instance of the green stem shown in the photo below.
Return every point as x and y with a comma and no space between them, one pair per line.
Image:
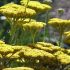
60,39
48,30
61,31
33,34
33,39
13,32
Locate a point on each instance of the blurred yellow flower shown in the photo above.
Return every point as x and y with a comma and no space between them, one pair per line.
19,68
2,42
39,7
59,23
13,10
62,57
5,50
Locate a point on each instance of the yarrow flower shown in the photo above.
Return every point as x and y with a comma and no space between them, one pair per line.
5,50
14,10
20,21
56,22
61,25
34,25
2,42
62,57
39,7
19,68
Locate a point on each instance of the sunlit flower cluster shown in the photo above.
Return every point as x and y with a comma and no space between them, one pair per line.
5,50
1,42
19,68
39,7
37,54
40,52
16,11
48,47
62,57
34,25
9,51
59,23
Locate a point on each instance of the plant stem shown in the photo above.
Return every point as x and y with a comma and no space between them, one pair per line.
61,31
48,30
60,39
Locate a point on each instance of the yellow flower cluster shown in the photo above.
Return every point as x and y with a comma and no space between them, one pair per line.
67,37
59,23
68,51
39,7
19,68
44,44
14,10
48,47
37,54
5,50
1,42
42,51
62,57
34,25
20,22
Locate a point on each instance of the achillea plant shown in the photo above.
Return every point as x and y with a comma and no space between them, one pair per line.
16,15
12,10
37,6
35,55
61,25
34,27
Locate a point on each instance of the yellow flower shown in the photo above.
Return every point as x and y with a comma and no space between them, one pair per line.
34,25
20,22
5,50
14,10
59,23
62,57
2,42
19,68
36,54
48,47
68,51
16,48
37,6
45,44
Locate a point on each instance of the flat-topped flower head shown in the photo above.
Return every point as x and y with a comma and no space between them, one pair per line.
59,23
39,7
62,57
5,50
14,10
19,68
36,53
34,25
